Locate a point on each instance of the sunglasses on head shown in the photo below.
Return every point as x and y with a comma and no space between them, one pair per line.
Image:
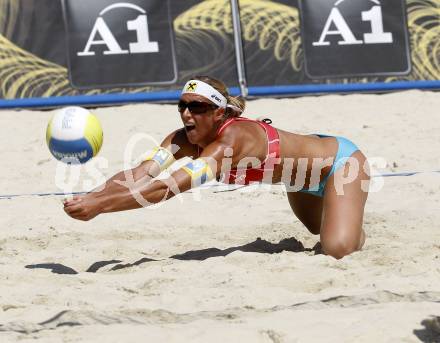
197,107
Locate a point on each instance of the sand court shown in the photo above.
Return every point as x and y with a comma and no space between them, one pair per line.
223,266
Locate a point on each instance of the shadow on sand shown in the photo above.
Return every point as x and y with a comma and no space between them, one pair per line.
431,331
56,268
259,246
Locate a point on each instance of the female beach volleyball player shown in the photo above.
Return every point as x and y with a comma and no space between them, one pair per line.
326,177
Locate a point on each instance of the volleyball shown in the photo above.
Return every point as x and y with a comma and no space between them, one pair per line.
74,135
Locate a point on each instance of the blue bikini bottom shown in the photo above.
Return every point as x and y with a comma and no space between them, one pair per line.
346,148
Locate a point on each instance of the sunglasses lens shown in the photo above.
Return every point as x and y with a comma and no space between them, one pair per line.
181,106
196,107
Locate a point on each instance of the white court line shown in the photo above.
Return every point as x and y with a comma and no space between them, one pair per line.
217,186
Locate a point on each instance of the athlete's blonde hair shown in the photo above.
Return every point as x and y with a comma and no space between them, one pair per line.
236,104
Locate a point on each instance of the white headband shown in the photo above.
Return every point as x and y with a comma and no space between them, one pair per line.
203,89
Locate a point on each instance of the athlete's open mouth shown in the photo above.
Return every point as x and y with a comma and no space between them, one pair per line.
189,127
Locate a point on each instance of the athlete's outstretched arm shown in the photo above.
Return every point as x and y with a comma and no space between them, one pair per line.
126,195
160,158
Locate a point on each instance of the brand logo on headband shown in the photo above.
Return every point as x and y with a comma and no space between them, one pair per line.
216,98
205,90
192,86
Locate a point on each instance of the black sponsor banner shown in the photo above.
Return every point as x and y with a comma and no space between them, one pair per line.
37,50
347,38
108,46
113,43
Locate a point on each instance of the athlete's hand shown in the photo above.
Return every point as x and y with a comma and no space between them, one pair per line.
83,207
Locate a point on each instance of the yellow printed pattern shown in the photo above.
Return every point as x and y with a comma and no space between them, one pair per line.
192,86
200,171
162,157
49,132
24,75
276,27
8,16
93,133
424,32
272,26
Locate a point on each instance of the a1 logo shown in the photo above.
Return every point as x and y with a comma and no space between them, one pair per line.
354,38
373,16
139,25
114,43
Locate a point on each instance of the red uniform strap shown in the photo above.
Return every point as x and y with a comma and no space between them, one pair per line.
273,150
273,139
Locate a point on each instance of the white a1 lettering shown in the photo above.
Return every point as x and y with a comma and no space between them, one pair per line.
377,35
143,44
108,39
342,29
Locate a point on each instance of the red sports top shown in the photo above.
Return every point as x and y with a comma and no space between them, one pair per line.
245,176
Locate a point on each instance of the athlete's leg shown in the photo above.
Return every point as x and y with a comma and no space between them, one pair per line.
308,209
342,215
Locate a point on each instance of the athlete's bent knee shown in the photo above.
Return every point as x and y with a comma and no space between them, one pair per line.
338,248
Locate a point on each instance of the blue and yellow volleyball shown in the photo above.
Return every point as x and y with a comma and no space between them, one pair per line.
74,135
